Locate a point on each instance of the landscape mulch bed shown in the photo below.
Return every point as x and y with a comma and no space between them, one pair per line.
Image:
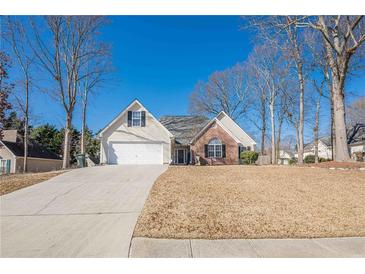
345,165
12,182
226,202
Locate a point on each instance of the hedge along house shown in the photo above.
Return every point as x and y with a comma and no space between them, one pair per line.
135,136
39,159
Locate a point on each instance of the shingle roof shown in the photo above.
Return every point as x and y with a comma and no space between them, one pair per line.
359,135
184,128
325,140
34,150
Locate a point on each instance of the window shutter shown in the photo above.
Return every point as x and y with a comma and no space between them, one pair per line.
143,118
223,151
205,151
129,118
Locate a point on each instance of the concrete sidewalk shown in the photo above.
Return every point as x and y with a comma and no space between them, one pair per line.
89,212
257,248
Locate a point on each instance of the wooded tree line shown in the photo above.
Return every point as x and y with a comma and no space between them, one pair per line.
298,64
73,62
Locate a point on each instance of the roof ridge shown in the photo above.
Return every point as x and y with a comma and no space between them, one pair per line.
184,116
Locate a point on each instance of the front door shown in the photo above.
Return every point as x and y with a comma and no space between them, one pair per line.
181,156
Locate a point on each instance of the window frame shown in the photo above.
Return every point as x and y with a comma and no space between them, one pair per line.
136,119
215,148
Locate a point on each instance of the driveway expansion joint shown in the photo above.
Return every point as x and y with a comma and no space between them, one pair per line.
56,197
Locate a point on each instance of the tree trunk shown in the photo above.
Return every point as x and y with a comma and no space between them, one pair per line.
333,126
341,150
297,136
339,66
263,132
272,118
315,132
263,129
83,130
281,120
301,115
67,141
25,157
26,125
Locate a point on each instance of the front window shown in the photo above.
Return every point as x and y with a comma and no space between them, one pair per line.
136,118
215,148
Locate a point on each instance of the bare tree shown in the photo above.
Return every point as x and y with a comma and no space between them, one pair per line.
320,82
289,39
73,44
291,113
5,89
259,90
25,59
343,36
87,87
224,91
270,71
285,86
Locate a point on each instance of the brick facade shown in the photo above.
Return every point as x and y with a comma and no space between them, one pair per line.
215,131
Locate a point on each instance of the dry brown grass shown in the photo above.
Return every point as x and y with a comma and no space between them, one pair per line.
224,202
10,183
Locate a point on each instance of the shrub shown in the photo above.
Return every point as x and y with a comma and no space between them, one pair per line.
293,161
321,160
248,157
309,159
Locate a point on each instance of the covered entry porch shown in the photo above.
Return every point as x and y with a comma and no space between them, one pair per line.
181,155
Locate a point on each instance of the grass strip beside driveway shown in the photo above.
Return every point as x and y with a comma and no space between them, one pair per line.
12,182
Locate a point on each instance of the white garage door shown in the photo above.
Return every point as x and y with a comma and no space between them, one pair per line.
135,153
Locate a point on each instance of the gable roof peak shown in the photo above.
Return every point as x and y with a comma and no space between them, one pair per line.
135,101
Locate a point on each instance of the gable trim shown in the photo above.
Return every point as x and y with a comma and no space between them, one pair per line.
12,153
244,132
135,101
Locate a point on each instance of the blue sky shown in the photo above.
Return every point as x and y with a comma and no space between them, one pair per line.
159,59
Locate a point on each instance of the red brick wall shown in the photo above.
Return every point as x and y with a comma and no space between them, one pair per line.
215,131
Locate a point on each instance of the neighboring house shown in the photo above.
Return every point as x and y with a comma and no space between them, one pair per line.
284,157
358,146
324,148
356,139
135,136
39,158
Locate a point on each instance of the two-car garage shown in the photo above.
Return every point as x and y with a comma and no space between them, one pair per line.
135,153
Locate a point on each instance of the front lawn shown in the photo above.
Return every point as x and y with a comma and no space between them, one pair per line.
222,202
12,182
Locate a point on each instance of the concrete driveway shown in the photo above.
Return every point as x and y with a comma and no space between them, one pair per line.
88,212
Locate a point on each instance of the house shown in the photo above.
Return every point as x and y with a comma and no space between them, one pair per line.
12,155
356,139
135,136
358,146
324,148
284,157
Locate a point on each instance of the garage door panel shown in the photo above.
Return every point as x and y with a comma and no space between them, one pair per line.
135,153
